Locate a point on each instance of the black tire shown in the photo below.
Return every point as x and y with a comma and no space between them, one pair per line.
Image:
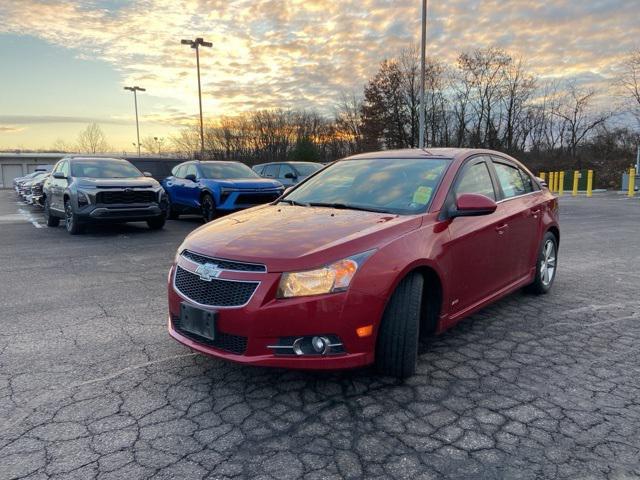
545,276
172,213
397,344
208,208
156,223
52,221
71,222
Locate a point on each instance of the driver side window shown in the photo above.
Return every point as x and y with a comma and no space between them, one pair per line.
191,170
64,168
476,179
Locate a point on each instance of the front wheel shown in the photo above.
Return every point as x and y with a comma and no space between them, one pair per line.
397,345
71,222
546,266
51,220
208,208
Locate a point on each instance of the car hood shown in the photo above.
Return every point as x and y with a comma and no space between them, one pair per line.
286,237
138,182
246,183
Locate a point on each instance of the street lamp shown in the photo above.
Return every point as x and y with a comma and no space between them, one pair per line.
196,44
422,73
135,101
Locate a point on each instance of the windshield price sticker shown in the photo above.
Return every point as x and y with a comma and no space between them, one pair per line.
422,195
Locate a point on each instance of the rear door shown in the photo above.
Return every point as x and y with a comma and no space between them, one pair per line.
519,207
474,250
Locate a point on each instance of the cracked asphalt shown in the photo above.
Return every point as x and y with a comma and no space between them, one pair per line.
91,386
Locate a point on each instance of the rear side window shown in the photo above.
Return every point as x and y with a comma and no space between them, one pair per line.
510,180
271,171
476,179
527,181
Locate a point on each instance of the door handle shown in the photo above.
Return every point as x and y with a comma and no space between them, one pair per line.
502,228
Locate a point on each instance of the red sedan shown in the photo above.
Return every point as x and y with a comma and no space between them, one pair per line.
352,265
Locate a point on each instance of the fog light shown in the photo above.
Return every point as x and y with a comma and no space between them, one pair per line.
319,344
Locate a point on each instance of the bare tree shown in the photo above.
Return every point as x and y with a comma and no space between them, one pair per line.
92,140
576,111
630,82
153,144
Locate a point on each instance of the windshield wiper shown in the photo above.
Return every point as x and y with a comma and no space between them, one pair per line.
294,202
346,206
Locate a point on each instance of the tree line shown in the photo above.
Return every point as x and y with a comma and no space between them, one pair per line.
487,99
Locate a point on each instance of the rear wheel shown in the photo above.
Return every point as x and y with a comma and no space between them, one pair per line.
208,208
51,220
546,265
71,222
156,223
397,345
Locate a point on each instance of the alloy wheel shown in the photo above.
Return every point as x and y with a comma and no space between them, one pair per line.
548,263
68,216
208,209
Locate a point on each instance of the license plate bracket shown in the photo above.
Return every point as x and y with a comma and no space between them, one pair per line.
197,321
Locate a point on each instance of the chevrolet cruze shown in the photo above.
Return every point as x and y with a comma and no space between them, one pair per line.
354,264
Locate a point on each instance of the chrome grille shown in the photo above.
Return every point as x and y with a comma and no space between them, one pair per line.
224,264
214,293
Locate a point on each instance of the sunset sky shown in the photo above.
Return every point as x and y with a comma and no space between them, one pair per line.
64,63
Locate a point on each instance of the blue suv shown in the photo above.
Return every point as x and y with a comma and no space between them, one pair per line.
214,187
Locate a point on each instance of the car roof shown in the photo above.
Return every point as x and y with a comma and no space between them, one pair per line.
73,159
444,153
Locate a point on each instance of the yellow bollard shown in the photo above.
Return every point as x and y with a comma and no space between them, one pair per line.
550,182
541,175
576,179
632,181
589,183
555,181
561,184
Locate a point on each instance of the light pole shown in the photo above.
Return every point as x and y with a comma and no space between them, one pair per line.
422,73
135,101
196,44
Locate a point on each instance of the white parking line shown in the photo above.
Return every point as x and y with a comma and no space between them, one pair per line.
30,218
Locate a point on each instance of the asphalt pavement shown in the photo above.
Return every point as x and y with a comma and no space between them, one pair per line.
91,385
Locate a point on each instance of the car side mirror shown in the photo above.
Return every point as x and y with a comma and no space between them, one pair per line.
290,175
542,182
191,177
147,174
473,205
59,175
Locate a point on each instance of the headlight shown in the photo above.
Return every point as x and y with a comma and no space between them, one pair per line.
83,199
332,278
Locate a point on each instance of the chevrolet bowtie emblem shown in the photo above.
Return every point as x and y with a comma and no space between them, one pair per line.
208,271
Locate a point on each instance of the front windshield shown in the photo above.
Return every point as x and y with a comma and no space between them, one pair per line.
223,171
403,185
306,169
103,169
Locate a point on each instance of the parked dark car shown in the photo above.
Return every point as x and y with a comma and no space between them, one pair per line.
209,188
18,181
34,195
287,173
24,186
352,265
159,168
83,190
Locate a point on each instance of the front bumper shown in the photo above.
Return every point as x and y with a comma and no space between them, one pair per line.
116,212
264,320
241,199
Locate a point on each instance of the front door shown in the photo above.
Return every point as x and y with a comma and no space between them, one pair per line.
475,247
